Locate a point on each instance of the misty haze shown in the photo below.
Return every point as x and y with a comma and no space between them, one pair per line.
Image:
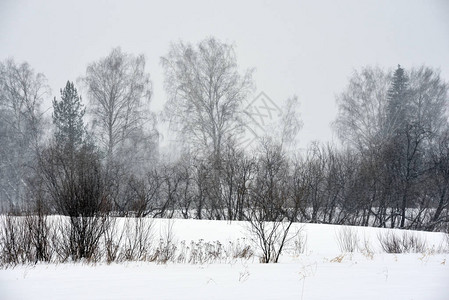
224,150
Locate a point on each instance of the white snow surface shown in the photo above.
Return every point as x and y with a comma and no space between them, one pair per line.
321,272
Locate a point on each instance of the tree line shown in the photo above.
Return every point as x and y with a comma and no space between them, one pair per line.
391,169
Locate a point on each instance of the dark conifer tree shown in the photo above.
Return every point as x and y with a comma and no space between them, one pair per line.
68,118
398,101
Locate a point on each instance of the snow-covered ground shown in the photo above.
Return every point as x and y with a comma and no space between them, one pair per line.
322,271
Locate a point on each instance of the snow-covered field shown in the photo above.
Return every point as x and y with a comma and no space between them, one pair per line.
322,271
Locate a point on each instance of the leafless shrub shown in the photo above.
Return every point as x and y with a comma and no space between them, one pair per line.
112,240
272,206
390,242
40,233
61,239
15,244
347,239
25,239
270,237
79,238
138,239
413,243
40,238
85,237
408,242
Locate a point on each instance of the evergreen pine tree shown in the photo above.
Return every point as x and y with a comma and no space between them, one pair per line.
68,118
398,101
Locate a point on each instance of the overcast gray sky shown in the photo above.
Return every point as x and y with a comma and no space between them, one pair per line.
307,48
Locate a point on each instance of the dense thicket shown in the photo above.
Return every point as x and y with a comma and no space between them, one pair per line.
396,124
392,169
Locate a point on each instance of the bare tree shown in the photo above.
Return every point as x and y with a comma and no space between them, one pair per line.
200,174
205,92
21,125
285,131
272,207
439,183
429,95
238,170
119,92
315,178
362,108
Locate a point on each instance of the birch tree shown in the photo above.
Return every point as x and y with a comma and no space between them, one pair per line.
119,91
22,92
206,91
